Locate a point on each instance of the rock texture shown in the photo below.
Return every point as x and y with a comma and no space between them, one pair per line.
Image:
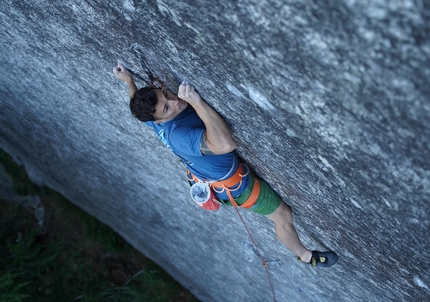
328,101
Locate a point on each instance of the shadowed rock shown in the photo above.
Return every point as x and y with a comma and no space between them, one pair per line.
329,103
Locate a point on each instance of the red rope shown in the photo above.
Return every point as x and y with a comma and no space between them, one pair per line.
263,262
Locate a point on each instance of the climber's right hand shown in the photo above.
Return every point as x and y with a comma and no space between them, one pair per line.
122,73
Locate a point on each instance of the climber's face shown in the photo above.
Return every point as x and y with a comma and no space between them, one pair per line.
169,106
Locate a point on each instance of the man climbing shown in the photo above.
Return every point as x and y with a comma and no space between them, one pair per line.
199,136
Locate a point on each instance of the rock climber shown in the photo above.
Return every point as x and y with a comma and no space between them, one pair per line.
199,136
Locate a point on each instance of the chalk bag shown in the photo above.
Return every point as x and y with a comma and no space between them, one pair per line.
203,195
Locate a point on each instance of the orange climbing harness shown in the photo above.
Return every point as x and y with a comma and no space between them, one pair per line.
231,184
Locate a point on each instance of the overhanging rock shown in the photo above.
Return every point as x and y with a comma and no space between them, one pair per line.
329,102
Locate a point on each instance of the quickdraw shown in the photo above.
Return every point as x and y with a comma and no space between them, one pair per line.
154,81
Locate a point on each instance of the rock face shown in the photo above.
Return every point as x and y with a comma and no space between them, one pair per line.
328,101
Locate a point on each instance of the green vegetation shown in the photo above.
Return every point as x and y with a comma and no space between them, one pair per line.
73,256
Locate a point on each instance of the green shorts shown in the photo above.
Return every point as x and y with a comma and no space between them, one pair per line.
268,201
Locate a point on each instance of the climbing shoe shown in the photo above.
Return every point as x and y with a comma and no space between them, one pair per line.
324,259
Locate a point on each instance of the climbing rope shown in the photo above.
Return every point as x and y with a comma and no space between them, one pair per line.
263,262
222,186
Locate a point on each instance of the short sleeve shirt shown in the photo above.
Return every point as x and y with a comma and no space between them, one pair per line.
182,135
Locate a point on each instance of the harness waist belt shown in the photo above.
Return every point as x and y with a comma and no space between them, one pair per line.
235,179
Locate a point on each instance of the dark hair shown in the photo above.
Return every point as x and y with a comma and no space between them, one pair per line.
142,104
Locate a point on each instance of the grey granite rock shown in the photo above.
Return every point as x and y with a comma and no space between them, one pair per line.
328,101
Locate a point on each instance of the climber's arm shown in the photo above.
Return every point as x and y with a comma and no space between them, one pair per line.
218,137
123,74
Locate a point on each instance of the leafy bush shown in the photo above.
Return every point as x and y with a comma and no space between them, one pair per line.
62,261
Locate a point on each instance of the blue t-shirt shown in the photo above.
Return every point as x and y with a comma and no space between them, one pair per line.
182,135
